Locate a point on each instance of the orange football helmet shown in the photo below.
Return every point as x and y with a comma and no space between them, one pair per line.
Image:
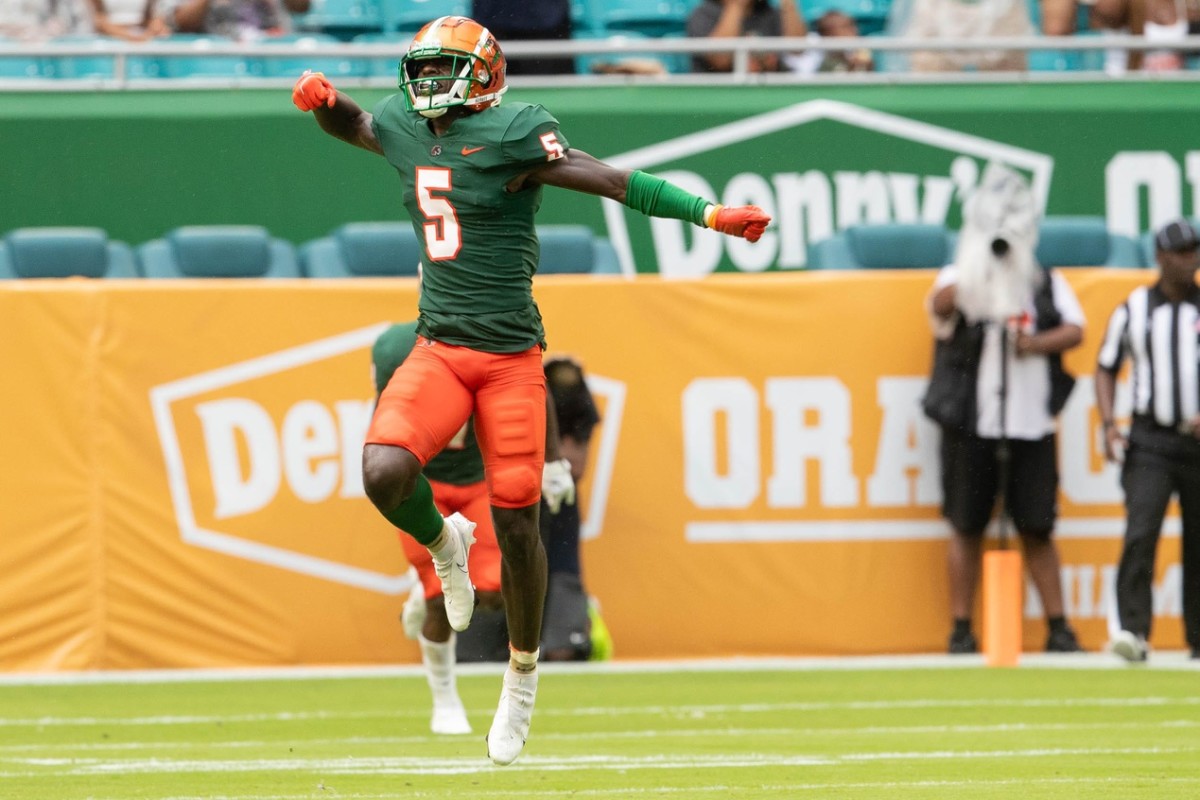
470,68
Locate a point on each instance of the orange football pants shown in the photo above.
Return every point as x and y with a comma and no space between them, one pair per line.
439,386
483,562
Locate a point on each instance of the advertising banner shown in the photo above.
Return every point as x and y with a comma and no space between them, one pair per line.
181,484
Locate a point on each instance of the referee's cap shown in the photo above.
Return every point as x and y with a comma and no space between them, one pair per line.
1177,237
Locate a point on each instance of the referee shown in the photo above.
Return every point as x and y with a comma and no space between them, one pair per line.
1157,328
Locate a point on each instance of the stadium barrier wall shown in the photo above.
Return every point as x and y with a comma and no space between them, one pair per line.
819,157
181,483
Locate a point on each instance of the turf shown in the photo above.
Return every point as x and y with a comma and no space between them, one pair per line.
714,733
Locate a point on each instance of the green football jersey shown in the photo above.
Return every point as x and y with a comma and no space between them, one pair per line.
460,463
480,247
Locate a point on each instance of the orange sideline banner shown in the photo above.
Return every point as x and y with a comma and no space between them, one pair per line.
181,483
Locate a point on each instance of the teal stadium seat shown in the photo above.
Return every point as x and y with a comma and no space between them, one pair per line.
651,17
1084,241
22,66
342,19
385,67
292,66
589,63
218,251
198,64
64,253
411,15
363,249
99,65
574,250
893,245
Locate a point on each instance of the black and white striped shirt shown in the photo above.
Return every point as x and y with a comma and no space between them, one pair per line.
1161,339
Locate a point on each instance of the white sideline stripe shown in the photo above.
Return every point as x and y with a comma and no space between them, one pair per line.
641,733
464,766
726,790
606,711
1169,660
889,530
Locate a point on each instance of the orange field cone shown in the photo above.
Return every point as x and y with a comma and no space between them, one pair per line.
1002,607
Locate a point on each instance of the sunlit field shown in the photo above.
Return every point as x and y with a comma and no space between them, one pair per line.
1075,727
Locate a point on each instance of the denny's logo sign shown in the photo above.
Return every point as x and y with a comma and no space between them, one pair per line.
264,461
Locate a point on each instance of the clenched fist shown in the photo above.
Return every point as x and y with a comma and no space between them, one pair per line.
748,222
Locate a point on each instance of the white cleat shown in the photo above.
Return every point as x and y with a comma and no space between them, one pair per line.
449,718
510,726
457,589
412,616
1129,646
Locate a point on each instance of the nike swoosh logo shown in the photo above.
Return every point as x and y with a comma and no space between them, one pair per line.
462,566
466,151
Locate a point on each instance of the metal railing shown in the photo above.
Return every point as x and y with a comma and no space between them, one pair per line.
743,49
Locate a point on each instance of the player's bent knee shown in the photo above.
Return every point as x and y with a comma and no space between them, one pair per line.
389,475
516,486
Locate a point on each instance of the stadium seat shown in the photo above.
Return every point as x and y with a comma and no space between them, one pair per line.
293,65
63,253
387,67
22,66
197,64
411,15
341,19
565,249
363,249
218,251
651,17
589,63
1084,241
893,245
605,255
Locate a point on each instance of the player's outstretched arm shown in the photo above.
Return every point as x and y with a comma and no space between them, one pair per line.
336,113
650,195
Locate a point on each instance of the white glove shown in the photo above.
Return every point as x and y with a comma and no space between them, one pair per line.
557,484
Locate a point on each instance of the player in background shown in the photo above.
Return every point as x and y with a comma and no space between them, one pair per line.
472,172
456,478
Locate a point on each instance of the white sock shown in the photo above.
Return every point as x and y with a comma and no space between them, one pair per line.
438,658
445,546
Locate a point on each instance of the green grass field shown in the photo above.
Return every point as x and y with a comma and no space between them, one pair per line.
901,732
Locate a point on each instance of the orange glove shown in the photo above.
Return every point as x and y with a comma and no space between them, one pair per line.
312,91
748,222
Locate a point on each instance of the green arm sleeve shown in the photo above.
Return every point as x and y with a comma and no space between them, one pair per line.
655,197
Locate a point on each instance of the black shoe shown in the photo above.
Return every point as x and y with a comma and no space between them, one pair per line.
1062,640
1196,653
961,643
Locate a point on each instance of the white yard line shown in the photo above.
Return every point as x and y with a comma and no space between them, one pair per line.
605,711
76,767
594,736
1167,660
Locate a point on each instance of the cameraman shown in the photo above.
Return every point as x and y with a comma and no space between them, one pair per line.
1002,322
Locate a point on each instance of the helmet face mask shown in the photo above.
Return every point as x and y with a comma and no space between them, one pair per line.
452,62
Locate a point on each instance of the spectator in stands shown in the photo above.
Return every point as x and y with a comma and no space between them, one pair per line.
243,20
1158,20
516,20
838,23
132,20
717,19
964,20
566,628
39,20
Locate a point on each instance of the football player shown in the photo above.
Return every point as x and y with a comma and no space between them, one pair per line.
472,172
